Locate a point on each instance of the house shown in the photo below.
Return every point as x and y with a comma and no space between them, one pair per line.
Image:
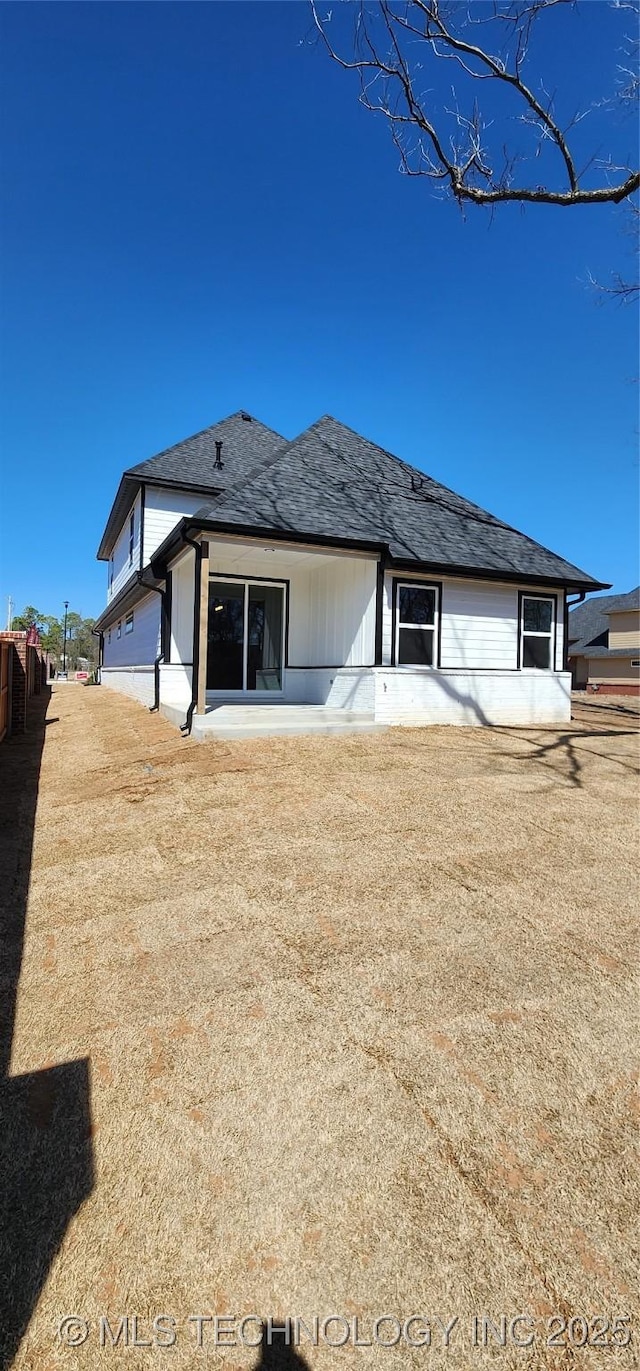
604,644
257,584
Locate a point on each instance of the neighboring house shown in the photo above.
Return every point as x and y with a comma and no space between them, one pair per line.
604,644
247,570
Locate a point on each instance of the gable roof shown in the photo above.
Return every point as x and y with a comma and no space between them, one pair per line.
332,483
589,623
246,445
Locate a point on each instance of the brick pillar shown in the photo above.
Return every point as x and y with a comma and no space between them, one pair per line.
19,681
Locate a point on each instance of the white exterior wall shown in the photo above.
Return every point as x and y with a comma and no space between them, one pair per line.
479,622
182,608
136,681
123,567
341,615
141,647
406,696
338,687
163,509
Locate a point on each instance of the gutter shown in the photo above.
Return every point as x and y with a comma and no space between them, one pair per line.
185,728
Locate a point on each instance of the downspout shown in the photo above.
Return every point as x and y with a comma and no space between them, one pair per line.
567,606
185,728
153,709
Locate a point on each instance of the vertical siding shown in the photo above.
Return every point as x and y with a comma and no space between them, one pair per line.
479,622
342,613
141,647
182,608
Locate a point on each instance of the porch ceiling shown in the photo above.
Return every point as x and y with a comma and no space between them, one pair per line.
236,553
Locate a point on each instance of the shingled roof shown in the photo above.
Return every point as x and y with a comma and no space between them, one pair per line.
331,482
589,624
246,445
328,484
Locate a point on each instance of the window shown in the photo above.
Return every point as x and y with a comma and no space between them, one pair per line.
635,661
417,609
119,630
246,633
132,531
109,637
537,623
128,623
110,572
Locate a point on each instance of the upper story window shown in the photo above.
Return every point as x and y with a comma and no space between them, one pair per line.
110,572
417,609
537,629
119,629
132,533
128,623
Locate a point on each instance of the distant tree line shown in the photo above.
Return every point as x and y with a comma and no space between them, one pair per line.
80,642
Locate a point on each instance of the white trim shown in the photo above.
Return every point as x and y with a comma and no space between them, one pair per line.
537,633
426,628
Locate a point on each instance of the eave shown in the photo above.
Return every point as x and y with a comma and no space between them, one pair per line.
176,541
132,592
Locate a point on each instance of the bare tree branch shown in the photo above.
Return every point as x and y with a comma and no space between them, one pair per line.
395,43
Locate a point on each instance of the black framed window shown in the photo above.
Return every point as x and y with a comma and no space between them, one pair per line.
132,535
537,631
417,609
128,623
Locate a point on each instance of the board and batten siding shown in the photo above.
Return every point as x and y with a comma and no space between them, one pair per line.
342,613
141,647
182,608
124,566
480,625
163,509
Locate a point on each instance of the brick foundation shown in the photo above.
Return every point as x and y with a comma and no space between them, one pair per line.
610,688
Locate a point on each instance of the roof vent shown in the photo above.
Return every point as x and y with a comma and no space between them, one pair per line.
246,417
218,464
416,482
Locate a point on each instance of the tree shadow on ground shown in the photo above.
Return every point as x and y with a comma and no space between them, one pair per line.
276,1352
46,1162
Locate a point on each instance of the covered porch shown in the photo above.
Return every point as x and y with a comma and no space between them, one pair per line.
269,638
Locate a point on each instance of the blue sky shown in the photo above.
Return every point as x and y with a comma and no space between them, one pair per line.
199,217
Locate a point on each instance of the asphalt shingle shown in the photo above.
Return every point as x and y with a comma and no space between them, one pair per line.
331,482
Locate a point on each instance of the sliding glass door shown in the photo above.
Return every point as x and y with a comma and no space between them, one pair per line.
245,636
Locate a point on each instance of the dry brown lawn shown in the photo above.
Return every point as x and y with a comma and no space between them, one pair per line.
319,1026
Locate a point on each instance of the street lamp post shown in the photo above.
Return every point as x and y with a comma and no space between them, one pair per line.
64,640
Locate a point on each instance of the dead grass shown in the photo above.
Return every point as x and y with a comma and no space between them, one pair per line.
360,1016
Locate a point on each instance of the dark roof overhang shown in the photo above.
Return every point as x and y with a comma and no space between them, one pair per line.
132,591
176,541
127,490
509,575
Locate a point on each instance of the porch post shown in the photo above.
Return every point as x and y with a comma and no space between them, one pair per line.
204,621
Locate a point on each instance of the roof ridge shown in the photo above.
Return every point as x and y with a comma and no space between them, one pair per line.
165,451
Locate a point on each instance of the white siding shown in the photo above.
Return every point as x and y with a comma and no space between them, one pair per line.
141,647
479,622
341,622
123,565
163,509
182,608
